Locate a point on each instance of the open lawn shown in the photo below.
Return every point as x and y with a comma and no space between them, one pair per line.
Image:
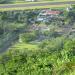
24,46
21,1
35,7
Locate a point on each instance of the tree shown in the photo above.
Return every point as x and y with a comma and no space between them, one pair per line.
27,37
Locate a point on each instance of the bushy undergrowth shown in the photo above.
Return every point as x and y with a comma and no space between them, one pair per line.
40,62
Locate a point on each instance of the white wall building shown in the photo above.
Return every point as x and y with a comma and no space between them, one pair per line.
30,0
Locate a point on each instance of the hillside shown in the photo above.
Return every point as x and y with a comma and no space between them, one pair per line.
37,41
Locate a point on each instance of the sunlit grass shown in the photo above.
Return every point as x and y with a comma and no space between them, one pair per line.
18,2
35,7
24,46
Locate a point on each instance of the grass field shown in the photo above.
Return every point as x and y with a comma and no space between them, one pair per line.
24,46
24,1
36,7
20,1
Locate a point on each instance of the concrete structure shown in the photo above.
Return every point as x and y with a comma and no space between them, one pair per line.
69,8
30,0
45,15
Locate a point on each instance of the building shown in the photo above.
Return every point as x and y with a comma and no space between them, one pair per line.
69,8
30,0
47,14
39,27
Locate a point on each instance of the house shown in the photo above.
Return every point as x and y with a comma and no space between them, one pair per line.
69,8
52,12
30,0
47,14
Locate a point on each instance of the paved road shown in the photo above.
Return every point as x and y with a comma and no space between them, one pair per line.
35,4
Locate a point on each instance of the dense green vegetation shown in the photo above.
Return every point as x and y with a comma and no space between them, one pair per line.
37,51
50,59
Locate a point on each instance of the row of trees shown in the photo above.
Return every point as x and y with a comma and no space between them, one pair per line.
10,1
5,1
11,20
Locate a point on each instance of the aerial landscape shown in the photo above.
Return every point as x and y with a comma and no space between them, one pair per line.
37,37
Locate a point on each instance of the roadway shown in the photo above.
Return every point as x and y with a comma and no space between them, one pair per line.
34,4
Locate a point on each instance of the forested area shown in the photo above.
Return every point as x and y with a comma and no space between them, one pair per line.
53,41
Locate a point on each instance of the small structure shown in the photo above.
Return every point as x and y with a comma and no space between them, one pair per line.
47,14
39,27
52,12
69,8
30,0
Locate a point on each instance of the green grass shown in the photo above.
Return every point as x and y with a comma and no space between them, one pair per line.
20,1
23,46
35,7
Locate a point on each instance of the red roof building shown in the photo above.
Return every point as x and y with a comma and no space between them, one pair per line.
50,12
53,12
